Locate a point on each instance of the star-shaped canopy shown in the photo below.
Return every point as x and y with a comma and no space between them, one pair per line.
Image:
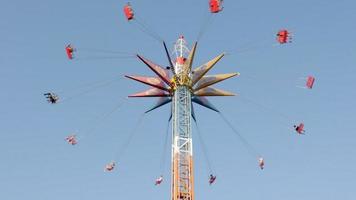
163,86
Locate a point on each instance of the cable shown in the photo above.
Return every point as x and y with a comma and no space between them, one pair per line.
252,46
204,149
269,110
205,26
146,30
100,119
104,51
91,84
121,151
103,57
96,54
165,147
248,146
89,90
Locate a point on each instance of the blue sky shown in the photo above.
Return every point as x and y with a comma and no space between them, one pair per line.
36,163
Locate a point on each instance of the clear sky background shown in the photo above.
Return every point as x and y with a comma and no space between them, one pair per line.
36,163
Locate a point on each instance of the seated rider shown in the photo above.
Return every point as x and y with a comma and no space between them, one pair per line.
212,179
159,180
71,140
299,129
51,98
109,167
261,163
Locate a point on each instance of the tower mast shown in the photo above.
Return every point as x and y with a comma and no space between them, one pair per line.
182,146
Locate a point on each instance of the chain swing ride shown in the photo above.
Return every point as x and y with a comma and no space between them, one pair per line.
181,85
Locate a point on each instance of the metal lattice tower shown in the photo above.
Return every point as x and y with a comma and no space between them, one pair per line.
182,88
182,146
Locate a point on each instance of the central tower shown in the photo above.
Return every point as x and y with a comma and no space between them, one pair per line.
182,146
